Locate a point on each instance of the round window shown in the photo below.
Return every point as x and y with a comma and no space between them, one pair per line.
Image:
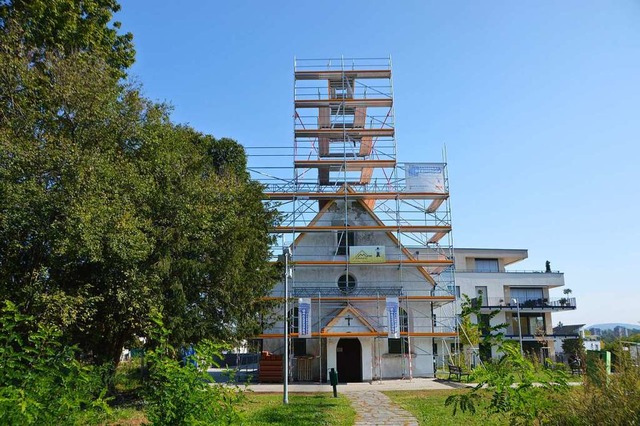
346,283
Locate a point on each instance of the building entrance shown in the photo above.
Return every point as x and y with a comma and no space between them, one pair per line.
349,360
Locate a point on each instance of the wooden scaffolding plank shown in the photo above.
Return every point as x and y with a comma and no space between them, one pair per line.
339,74
341,164
340,133
347,102
436,196
382,228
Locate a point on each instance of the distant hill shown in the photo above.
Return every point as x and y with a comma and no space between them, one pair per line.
612,325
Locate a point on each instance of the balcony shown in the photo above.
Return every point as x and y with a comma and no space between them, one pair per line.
529,305
513,278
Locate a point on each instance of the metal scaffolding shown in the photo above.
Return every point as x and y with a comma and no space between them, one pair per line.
343,159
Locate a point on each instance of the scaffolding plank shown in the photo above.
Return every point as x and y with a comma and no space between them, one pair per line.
341,164
408,262
339,133
361,334
436,196
347,102
339,74
372,298
401,228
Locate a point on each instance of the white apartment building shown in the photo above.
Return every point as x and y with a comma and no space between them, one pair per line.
492,276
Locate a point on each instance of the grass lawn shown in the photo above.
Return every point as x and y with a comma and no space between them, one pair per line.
303,409
428,407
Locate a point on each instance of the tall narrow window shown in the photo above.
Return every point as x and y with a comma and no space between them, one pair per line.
401,345
345,239
299,345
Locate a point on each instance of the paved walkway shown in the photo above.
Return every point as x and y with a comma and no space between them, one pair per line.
384,385
371,405
375,408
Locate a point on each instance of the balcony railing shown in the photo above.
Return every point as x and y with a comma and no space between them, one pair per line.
484,271
528,304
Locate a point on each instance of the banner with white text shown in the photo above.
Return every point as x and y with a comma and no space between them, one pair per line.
304,317
392,317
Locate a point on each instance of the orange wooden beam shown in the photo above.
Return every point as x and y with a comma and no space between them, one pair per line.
401,228
361,334
436,196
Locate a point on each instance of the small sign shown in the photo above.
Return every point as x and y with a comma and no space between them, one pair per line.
367,254
424,177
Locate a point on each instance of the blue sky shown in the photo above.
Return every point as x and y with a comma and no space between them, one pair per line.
538,104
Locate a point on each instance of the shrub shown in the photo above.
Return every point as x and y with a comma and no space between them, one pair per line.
183,393
513,387
41,381
603,399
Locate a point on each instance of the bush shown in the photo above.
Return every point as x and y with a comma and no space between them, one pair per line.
603,399
182,392
41,381
514,388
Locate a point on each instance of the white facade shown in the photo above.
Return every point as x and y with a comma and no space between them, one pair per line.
508,290
359,313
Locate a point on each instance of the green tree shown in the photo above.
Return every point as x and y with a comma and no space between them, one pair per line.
57,28
476,330
575,347
108,209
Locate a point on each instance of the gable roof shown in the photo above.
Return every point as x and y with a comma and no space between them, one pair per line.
374,216
343,323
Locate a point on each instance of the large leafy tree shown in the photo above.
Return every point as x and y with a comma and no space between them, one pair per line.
109,211
50,28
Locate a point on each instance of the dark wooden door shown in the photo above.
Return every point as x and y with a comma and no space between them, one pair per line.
349,360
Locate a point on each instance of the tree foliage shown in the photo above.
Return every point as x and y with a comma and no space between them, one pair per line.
510,387
181,392
109,210
57,28
476,330
41,382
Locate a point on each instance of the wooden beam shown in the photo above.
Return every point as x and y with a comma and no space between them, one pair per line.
385,228
339,74
357,195
339,133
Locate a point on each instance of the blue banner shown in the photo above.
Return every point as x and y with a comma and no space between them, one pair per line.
392,318
304,317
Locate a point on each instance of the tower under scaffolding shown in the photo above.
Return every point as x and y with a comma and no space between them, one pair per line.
362,229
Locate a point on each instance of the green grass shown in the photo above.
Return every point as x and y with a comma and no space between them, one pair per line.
129,416
428,407
303,409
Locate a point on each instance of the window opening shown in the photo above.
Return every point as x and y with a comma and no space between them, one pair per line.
346,283
401,345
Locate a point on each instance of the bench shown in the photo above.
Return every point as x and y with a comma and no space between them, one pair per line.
454,370
577,370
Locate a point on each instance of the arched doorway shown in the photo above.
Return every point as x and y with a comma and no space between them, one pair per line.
349,360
